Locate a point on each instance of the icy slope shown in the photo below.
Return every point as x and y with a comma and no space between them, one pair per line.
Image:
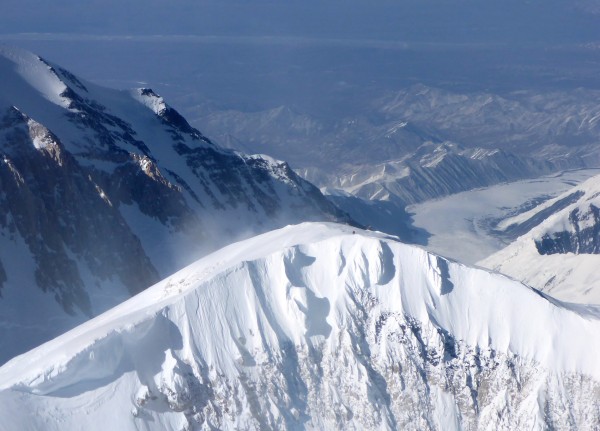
559,249
105,192
315,327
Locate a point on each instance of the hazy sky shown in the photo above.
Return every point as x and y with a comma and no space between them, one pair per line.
325,56
453,21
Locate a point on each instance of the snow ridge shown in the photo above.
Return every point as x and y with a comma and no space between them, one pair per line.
316,326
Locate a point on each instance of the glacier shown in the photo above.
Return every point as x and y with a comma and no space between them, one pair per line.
471,227
557,249
318,326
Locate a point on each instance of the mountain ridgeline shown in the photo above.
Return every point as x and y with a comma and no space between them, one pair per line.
318,326
104,192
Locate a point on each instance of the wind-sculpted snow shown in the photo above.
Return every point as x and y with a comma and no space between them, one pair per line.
105,192
558,251
317,327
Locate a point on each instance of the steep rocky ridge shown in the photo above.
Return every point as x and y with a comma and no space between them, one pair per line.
105,192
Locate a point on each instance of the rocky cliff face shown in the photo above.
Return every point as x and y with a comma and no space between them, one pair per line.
581,235
104,192
63,216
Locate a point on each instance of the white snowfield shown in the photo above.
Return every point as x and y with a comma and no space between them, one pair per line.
571,276
314,326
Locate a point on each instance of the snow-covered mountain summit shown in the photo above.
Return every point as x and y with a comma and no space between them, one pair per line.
317,326
558,248
104,192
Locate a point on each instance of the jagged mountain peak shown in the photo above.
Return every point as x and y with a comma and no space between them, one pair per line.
432,170
38,73
169,115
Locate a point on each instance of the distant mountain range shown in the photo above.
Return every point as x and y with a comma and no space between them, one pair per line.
423,142
433,171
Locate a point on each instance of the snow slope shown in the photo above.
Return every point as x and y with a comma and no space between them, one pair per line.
559,247
315,326
105,192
